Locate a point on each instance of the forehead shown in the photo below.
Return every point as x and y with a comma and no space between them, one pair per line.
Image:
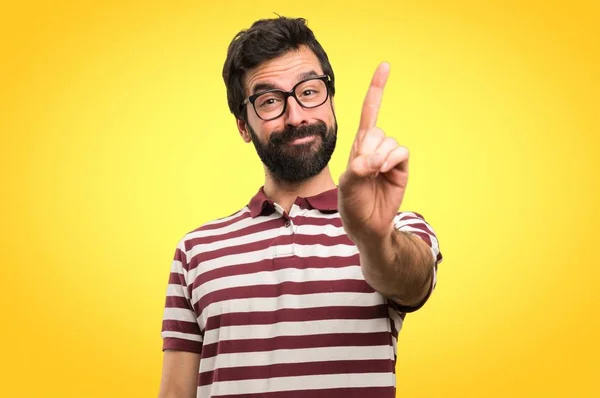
283,71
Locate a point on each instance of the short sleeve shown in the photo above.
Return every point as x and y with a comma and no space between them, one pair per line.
180,329
415,224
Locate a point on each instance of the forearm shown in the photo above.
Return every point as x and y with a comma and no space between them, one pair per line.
179,374
399,266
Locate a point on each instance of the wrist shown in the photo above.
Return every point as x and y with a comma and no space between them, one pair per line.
371,241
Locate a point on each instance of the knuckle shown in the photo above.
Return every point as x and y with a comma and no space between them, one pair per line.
376,132
391,141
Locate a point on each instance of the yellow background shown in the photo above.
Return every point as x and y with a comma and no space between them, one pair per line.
116,140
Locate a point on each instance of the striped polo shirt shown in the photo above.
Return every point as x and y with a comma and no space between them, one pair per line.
276,305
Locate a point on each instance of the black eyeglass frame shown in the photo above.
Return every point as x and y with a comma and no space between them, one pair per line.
286,94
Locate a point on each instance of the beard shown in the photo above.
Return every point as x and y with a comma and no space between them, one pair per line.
293,163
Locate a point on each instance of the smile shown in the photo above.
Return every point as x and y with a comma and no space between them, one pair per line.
303,140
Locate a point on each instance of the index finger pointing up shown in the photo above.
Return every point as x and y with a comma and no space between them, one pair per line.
372,103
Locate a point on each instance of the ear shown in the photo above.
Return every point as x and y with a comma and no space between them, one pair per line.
243,129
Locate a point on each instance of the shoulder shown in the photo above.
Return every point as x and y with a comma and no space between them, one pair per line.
415,223
214,230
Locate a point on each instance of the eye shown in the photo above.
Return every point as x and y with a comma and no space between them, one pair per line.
267,101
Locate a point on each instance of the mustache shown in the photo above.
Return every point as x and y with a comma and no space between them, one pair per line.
291,133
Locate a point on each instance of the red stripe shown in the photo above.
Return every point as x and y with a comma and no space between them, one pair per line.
270,265
251,229
394,330
423,236
180,326
317,221
301,239
296,369
324,240
419,225
294,288
175,344
295,315
177,302
297,342
239,249
181,257
366,392
176,278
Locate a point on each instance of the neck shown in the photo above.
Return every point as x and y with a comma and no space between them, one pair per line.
285,193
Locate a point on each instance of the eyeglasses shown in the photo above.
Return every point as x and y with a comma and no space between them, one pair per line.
309,93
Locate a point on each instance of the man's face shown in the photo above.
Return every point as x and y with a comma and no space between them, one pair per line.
297,145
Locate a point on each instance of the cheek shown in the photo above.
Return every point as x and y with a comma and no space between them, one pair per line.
267,128
329,115
262,130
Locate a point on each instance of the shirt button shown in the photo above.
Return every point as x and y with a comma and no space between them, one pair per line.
287,224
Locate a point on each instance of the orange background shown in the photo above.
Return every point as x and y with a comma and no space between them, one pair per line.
116,140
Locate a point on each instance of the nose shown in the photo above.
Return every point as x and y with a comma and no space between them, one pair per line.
295,115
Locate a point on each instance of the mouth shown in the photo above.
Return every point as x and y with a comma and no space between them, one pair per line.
303,140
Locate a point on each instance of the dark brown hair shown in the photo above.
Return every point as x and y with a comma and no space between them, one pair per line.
264,40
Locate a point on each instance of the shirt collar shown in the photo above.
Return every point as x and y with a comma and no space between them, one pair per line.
324,201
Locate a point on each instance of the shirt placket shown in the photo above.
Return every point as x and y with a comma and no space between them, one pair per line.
289,228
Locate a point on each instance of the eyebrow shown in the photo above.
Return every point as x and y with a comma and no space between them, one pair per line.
270,86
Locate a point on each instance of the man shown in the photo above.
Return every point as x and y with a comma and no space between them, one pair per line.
303,291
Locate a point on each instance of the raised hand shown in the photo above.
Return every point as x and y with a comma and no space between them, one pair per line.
373,185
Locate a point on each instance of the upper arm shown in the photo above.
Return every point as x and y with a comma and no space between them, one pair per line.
182,338
180,328
415,224
179,374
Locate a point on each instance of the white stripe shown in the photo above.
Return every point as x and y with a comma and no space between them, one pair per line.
315,300
408,228
298,383
179,314
329,230
183,336
328,326
395,317
325,251
176,267
352,272
175,290
435,246
301,355
296,210
414,225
